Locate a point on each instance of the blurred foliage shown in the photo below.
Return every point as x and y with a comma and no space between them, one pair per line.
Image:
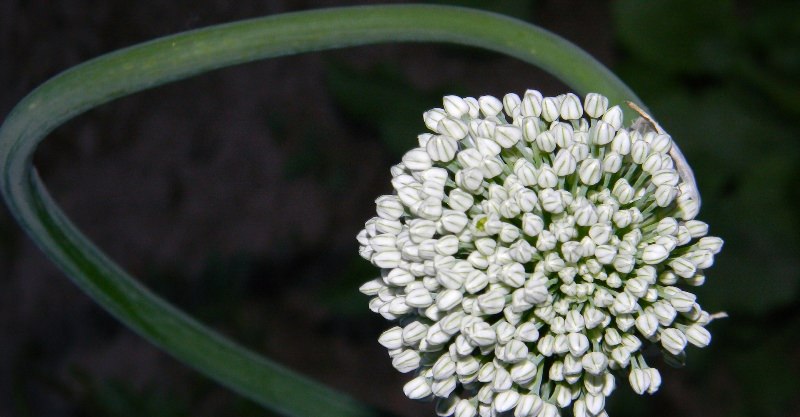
362,97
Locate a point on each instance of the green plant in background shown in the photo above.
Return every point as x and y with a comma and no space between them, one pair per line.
172,58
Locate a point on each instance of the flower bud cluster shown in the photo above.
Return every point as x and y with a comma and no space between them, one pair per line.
532,249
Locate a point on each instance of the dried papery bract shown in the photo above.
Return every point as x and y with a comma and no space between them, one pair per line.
533,248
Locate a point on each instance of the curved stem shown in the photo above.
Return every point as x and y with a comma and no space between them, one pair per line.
175,57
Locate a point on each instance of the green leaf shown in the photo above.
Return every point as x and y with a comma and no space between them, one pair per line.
175,57
363,97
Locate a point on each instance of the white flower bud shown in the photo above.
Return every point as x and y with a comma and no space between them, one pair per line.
550,109
372,287
563,395
505,401
414,332
443,388
682,300
513,275
549,410
665,195
528,406
664,312
490,106
623,263
683,267
448,299
507,135
488,148
423,139
665,177
639,152
697,229
455,106
595,404
469,158
621,143
673,340
563,132
430,209
452,127
591,171
476,281
595,105
571,108
698,335
683,235
389,207
399,277
419,298
594,363
572,367
392,339
578,343
613,116
502,380
608,386
602,133
545,141
470,179
480,333
621,356
532,224
453,221
449,279
639,380
612,162
564,164
546,178
441,148
551,200
417,388
508,233
460,200
387,226
654,254
710,243
652,163
417,159
467,366
605,253
624,303
655,380
511,103
636,286
546,345
432,118
465,409
647,324
407,361
420,230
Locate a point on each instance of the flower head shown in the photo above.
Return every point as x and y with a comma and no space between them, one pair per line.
532,249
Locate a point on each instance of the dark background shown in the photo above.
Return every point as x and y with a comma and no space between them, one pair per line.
238,194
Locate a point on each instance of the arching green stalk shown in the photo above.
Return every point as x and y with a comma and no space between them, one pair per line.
175,57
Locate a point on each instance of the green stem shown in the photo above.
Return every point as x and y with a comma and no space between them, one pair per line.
176,57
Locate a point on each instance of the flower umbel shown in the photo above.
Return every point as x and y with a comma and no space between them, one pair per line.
531,251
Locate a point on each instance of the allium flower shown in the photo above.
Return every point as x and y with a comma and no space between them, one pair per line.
531,251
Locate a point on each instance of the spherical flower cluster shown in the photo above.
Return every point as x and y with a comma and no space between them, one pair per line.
531,251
